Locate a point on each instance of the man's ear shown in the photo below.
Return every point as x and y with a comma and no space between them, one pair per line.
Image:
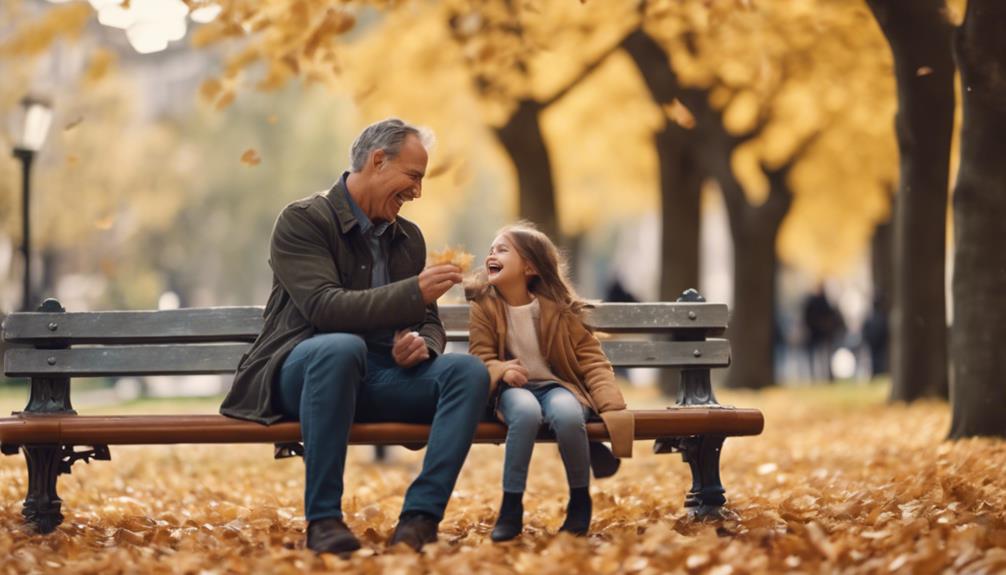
378,158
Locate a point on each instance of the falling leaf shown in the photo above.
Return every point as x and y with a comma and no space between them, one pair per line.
250,157
102,62
679,114
924,71
210,89
73,123
225,100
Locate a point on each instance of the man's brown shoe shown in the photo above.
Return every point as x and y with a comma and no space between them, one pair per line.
415,530
330,535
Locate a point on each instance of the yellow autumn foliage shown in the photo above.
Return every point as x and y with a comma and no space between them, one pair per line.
796,69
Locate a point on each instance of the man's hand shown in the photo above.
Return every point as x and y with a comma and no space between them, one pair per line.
434,281
515,374
409,349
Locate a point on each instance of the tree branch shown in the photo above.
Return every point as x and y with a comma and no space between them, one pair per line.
587,71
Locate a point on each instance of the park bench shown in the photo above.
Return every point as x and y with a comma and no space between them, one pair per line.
51,346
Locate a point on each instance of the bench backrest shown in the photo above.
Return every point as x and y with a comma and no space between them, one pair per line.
211,340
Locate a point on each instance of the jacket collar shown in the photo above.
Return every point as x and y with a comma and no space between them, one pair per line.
344,212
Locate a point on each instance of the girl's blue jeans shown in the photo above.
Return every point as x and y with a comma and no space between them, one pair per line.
524,409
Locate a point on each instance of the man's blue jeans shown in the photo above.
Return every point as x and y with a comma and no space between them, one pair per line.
330,380
524,409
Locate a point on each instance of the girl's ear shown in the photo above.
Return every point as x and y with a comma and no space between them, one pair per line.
529,271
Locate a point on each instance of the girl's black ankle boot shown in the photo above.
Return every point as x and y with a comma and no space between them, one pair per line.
510,522
578,512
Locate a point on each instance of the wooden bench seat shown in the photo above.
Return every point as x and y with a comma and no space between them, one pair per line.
52,346
171,429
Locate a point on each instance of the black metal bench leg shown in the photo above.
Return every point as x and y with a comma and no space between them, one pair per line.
42,505
706,497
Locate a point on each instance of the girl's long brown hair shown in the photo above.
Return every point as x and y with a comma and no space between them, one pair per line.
551,278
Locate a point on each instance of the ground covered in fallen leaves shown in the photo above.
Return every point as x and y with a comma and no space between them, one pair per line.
838,482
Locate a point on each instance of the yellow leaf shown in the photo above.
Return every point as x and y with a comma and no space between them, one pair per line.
452,255
102,62
250,157
210,89
225,100
679,114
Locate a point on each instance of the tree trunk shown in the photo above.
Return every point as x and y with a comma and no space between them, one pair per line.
882,262
875,330
754,230
524,142
920,35
680,184
680,215
752,319
50,274
680,175
979,285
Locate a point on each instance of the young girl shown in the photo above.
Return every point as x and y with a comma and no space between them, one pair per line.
545,365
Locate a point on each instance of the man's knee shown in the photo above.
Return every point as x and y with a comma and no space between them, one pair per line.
470,374
337,349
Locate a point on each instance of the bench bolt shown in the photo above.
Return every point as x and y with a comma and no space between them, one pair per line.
692,315
53,326
51,360
697,353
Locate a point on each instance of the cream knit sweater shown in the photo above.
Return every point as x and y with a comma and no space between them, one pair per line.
522,341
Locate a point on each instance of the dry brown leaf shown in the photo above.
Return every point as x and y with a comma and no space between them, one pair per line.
680,114
210,89
250,157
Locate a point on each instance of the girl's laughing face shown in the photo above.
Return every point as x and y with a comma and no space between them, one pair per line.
504,266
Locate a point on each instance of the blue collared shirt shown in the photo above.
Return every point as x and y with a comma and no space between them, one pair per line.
374,235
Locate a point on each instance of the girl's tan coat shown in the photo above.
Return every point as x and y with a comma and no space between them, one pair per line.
573,353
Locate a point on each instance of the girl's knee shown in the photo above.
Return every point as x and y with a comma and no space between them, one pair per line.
565,413
520,411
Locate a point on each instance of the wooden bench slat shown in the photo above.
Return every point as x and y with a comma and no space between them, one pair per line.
110,327
195,325
198,359
657,317
172,429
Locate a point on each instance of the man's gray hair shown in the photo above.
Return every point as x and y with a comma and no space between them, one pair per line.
387,135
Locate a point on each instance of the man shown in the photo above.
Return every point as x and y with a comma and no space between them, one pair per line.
352,332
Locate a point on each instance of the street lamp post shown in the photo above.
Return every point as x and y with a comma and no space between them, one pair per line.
36,115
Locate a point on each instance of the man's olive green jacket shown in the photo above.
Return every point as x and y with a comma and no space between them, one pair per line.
321,283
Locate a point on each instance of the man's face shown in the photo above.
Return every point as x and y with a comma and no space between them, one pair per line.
399,180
